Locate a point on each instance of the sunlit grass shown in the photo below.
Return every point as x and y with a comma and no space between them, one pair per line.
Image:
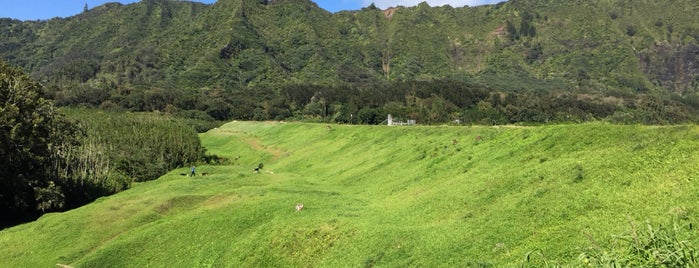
383,196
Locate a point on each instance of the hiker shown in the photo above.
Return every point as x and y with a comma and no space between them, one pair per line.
194,169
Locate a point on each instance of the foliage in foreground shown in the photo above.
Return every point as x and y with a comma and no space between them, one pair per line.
671,245
52,162
34,138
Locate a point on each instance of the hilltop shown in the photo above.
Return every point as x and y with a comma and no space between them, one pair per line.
387,196
265,60
635,45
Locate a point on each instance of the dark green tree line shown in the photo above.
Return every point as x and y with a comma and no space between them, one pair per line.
34,138
51,162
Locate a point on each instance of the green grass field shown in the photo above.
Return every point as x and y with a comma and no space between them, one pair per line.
385,196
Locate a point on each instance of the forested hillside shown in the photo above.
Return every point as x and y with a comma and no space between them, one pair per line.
518,61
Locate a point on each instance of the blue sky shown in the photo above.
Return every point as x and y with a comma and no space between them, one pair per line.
46,9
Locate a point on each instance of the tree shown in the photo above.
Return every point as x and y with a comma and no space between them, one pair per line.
33,136
511,30
368,116
526,28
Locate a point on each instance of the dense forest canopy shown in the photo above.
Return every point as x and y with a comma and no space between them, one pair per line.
517,61
52,162
34,138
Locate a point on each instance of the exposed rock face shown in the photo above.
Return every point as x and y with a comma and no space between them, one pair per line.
672,66
389,12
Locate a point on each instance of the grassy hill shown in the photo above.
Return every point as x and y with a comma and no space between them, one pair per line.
386,196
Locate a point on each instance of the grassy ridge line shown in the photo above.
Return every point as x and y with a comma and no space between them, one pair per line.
375,195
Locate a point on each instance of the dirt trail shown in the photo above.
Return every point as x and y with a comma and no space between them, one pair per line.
255,144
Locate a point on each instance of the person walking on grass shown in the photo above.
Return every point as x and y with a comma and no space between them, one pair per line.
194,169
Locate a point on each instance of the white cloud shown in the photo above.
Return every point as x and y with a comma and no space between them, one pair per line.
435,3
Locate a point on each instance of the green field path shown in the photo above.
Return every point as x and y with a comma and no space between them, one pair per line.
419,196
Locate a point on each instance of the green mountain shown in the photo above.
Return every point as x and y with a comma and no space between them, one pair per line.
573,195
256,49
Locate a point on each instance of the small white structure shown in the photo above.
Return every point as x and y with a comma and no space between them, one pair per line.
390,122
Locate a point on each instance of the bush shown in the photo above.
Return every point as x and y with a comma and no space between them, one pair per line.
661,246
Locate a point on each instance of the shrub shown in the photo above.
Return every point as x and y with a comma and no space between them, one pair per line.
579,173
661,246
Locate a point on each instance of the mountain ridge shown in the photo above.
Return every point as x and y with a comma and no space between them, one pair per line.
616,48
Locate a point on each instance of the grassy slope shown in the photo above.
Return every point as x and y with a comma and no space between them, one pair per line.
376,195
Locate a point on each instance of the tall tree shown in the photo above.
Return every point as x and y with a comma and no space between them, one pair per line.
32,137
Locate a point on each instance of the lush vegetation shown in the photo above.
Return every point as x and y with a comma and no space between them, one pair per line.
590,194
571,195
54,162
33,140
120,148
518,61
